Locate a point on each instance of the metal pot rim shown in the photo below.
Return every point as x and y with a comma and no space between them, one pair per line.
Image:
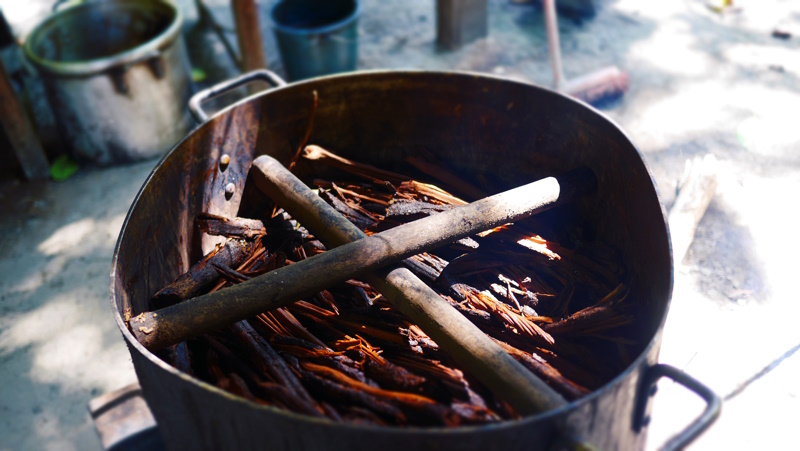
608,388
99,65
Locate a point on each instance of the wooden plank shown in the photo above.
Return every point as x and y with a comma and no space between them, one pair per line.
459,22
696,191
20,132
124,422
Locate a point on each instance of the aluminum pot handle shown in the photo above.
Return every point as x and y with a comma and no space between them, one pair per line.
195,103
59,4
696,427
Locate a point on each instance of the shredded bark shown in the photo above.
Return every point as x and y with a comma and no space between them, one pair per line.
561,307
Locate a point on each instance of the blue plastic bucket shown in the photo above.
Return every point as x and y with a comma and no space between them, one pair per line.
316,37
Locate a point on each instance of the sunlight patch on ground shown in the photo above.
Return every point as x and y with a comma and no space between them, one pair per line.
113,225
23,329
765,116
671,49
771,125
722,344
759,57
68,344
770,134
696,107
24,14
55,361
653,10
764,15
68,243
67,237
51,432
773,240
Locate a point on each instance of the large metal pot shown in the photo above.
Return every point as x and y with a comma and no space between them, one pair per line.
503,131
116,74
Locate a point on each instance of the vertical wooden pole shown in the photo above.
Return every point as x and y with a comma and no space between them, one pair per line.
459,22
251,47
20,132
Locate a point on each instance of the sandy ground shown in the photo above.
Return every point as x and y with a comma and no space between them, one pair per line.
701,83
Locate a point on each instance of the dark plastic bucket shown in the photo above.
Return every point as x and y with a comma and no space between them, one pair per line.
316,37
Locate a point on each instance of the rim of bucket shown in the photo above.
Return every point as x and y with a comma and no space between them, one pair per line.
316,30
94,66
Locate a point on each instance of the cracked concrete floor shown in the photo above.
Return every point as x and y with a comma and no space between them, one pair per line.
700,82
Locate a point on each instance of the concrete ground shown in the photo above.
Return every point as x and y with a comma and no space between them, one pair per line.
701,82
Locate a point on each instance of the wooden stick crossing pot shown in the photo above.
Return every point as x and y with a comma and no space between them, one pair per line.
356,255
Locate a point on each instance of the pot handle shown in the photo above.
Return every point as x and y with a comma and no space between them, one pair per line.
195,103
696,427
65,3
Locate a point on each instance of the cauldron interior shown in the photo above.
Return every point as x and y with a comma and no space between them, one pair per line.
496,131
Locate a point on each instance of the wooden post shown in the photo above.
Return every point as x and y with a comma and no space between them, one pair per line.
577,8
459,22
20,132
251,47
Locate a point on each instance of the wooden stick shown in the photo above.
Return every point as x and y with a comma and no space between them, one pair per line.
267,360
466,344
245,13
317,153
279,288
285,285
21,134
202,276
236,227
697,189
506,378
449,178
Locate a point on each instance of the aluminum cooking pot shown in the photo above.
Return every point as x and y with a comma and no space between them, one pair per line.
504,132
116,74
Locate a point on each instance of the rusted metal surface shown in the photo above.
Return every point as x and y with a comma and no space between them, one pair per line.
498,132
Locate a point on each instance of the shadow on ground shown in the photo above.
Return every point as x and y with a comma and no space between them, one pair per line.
59,344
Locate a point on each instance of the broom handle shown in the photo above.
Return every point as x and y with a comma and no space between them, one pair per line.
553,44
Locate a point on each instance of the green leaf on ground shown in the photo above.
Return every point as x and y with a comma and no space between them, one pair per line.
198,75
63,168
